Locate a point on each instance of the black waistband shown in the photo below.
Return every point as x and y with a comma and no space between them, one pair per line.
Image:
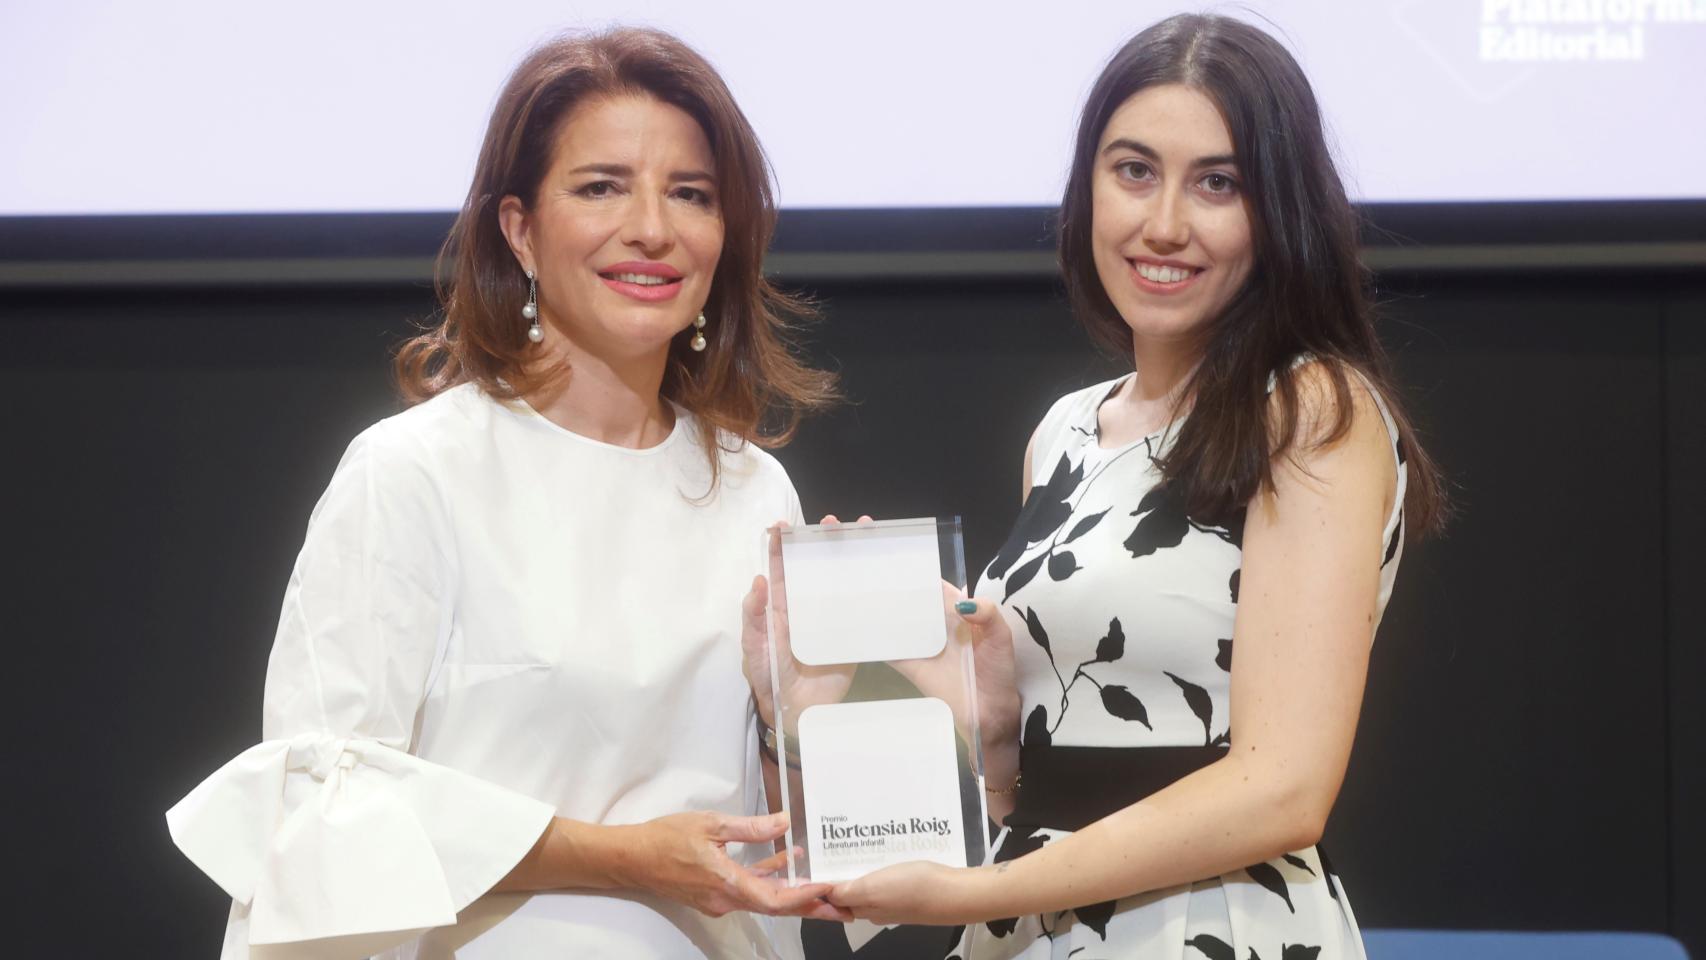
1069,788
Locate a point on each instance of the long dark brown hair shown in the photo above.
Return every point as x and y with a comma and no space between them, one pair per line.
1308,291
748,383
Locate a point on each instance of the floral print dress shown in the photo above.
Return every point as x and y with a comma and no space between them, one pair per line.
1122,609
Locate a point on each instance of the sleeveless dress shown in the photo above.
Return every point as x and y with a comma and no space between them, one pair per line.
1122,610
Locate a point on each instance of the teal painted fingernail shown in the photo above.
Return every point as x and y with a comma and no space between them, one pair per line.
965,608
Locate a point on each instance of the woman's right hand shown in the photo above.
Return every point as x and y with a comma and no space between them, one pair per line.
684,857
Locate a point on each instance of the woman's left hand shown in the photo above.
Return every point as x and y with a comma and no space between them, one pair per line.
915,892
943,676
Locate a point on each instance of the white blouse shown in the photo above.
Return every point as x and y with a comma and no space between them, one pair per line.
494,620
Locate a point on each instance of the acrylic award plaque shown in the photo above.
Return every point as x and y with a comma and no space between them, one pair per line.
871,677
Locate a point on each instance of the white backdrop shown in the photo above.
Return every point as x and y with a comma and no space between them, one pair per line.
180,106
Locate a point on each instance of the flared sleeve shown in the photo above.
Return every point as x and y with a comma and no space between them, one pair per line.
330,827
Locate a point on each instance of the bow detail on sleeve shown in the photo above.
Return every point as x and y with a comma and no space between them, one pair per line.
324,836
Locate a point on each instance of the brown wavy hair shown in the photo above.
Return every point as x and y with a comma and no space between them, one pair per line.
1308,291
748,383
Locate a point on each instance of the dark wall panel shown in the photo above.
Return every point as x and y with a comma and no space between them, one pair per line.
1524,760
166,453
1685,550
944,385
1510,728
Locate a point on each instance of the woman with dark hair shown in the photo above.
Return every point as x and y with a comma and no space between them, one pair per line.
504,713
1206,544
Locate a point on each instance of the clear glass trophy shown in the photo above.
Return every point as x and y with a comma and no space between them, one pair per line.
875,698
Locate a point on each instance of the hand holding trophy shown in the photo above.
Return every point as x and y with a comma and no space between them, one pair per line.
992,712
764,621
864,671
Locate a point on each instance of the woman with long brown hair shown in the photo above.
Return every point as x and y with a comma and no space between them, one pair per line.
504,711
1206,545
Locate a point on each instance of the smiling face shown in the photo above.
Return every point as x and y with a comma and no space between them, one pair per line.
625,231
1170,231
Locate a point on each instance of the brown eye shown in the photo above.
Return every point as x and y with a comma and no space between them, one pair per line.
1133,169
1219,183
694,195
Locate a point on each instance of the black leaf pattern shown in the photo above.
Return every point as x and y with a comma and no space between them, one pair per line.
1392,545
1112,646
1062,565
1298,862
1254,955
1003,927
1223,659
1297,951
1232,583
1034,625
1020,841
1025,574
1153,500
1198,700
1222,739
1060,485
1119,701
1163,524
1269,877
1036,727
1052,509
1212,947
1327,872
1083,526
1096,917
1044,511
1012,549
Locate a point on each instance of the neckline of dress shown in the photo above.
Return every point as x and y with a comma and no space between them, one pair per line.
525,411
1094,440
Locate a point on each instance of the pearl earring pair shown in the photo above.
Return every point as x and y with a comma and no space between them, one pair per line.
535,333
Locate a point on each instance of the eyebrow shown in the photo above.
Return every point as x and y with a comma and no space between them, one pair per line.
1142,149
623,170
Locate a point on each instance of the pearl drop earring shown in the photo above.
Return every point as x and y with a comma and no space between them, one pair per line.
698,341
530,310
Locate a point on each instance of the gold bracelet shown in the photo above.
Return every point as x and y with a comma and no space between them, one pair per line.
1007,792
